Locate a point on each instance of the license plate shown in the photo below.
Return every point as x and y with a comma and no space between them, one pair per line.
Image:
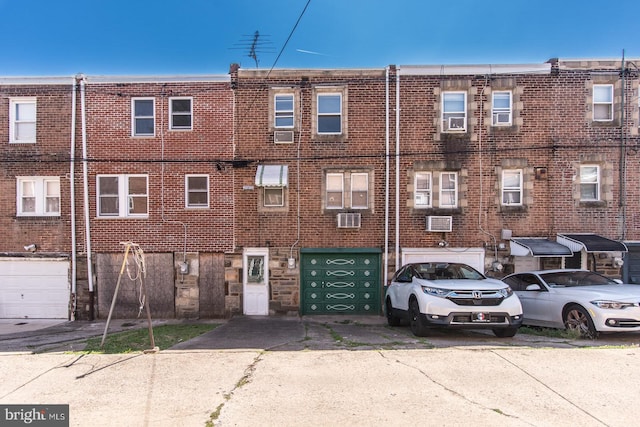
481,317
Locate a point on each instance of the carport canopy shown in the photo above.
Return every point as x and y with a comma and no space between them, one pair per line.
590,243
538,247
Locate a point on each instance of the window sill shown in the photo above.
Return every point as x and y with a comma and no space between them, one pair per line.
330,138
514,209
592,204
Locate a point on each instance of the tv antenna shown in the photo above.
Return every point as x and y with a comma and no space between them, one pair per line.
255,44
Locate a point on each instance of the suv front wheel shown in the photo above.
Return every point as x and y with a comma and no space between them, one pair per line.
416,322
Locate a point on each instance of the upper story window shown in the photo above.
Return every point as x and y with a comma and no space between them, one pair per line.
143,117
22,120
512,187
283,111
454,111
347,190
603,103
197,191
330,113
422,190
274,180
38,196
501,110
589,183
122,196
180,114
448,190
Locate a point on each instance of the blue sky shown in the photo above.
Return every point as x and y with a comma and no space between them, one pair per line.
118,37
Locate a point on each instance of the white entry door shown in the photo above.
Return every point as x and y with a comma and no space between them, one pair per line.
256,281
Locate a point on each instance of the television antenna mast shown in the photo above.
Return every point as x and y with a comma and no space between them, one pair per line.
255,44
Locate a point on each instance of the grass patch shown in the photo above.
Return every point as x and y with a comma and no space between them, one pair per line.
165,336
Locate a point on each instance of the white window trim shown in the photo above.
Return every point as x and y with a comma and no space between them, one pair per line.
518,188
39,194
134,117
428,191
596,183
341,175
445,120
123,196
366,175
13,102
496,111
187,191
291,112
318,114
264,197
171,113
443,191
609,103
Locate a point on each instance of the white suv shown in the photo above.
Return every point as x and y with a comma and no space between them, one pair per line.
452,295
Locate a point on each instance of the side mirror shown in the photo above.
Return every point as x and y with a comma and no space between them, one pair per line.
533,287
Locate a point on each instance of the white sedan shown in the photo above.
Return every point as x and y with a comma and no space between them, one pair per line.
452,295
578,300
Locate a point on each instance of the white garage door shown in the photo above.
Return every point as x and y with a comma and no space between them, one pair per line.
470,256
34,288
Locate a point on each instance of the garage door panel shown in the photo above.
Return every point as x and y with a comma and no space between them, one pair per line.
340,281
33,288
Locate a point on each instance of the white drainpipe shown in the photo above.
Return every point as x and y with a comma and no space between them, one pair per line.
386,183
72,190
398,261
85,178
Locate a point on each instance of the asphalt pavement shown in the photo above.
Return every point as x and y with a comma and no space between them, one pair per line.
324,370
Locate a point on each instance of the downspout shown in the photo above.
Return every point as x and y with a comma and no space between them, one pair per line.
386,183
623,159
72,191
85,182
398,262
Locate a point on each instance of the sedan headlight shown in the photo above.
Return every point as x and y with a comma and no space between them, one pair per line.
506,292
615,305
437,292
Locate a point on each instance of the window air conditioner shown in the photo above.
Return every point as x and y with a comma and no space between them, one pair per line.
439,223
349,220
456,123
283,136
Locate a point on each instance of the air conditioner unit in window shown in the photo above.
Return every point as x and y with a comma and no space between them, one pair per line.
502,118
349,220
439,223
456,123
283,136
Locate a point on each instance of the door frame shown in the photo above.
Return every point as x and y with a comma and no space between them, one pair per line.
262,303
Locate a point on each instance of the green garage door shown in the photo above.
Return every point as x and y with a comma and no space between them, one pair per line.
337,281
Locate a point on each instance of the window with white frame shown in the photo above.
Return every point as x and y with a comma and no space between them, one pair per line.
356,195
359,190
603,103
454,111
22,120
283,111
273,197
197,191
143,117
501,110
589,183
38,196
180,113
448,190
122,195
512,187
422,190
329,116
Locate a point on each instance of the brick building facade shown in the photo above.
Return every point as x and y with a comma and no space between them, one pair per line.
302,191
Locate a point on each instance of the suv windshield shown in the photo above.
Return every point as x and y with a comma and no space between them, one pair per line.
576,278
446,271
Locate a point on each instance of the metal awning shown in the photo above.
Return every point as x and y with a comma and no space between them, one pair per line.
272,176
590,243
537,246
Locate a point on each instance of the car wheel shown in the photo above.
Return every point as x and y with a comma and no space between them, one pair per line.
392,320
577,319
505,332
415,320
